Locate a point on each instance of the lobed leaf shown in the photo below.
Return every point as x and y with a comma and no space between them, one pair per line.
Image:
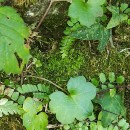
32,119
75,105
13,52
86,12
35,122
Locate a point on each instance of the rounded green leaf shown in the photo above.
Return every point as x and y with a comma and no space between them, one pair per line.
35,122
95,82
76,105
120,79
28,119
104,86
13,52
86,10
41,121
111,77
102,77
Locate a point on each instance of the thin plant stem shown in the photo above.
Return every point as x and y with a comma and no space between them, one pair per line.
41,78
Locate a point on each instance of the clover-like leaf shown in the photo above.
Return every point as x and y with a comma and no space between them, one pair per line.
13,32
75,105
112,108
86,12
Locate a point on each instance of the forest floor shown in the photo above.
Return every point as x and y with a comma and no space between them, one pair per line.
83,59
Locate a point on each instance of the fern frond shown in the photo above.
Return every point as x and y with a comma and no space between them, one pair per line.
39,91
8,107
67,41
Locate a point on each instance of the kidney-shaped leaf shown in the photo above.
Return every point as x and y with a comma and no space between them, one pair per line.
86,12
75,105
13,53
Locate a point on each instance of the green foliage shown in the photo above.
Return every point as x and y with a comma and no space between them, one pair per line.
12,35
108,82
91,125
117,17
32,119
19,94
102,77
67,40
120,79
123,124
113,110
95,81
76,31
93,29
95,32
88,23
86,10
111,77
77,126
8,107
111,102
55,65
75,105
123,7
